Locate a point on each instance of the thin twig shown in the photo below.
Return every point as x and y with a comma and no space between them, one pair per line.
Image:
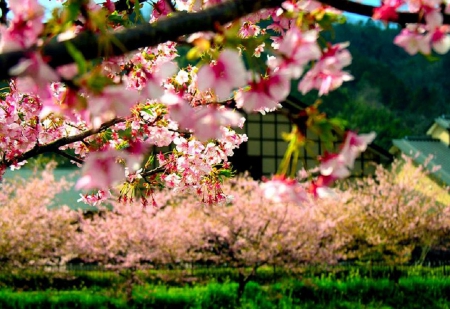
171,5
154,171
124,5
68,156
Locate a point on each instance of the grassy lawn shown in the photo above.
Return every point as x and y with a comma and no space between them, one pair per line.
217,288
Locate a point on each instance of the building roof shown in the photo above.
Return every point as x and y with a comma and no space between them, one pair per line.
443,121
421,147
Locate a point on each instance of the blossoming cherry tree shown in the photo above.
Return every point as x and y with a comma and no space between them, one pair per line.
98,84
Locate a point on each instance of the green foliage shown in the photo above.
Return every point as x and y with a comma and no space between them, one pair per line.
363,117
78,57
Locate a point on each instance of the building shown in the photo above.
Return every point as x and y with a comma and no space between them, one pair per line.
433,148
435,143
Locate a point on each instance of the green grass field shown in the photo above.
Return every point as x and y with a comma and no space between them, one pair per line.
216,288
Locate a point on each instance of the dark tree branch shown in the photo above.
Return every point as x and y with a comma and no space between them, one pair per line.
4,10
367,10
167,29
350,6
54,146
170,29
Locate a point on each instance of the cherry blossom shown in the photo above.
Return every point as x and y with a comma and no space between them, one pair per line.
327,74
298,49
425,37
114,100
354,145
101,171
96,199
161,8
153,89
265,94
180,110
440,40
338,165
335,166
413,40
210,119
388,10
25,27
284,190
34,76
227,73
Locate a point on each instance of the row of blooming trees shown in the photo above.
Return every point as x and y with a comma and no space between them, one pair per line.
97,84
380,219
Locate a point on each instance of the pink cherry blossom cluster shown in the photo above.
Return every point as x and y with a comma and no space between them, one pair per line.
338,165
295,50
19,128
422,38
30,232
113,113
156,106
25,27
